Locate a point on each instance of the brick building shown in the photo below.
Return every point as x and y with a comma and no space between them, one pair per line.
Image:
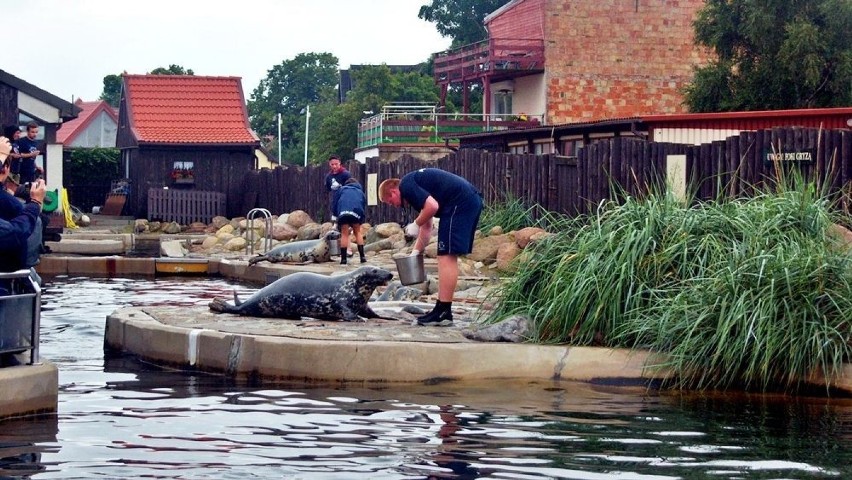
579,60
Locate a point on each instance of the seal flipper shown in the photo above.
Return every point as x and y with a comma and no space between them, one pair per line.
369,313
257,259
221,306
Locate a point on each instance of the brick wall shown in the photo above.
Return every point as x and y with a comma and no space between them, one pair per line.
524,20
618,58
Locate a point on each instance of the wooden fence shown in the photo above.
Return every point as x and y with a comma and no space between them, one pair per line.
184,206
575,185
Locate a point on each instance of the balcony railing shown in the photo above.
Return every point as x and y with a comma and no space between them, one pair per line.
494,57
422,123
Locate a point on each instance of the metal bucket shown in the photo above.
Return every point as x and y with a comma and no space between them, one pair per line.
334,247
410,269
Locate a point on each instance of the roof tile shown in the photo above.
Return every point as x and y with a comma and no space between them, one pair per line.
188,109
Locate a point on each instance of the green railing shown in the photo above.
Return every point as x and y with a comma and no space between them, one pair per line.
418,123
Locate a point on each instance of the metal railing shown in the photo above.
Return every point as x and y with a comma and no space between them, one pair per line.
424,123
20,313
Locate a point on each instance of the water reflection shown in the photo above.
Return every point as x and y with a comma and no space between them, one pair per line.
121,418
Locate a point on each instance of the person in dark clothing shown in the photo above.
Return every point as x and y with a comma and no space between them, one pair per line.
18,221
349,206
28,149
13,134
437,193
336,177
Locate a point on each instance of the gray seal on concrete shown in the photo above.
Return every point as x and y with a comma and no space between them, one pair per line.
306,294
303,251
515,329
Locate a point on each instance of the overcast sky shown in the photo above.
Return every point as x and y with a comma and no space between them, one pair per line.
67,46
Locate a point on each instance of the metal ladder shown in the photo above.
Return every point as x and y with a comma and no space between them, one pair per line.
267,217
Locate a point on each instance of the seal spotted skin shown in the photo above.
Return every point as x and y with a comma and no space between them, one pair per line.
303,251
306,294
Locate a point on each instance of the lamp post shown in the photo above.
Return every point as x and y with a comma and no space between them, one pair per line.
307,131
279,138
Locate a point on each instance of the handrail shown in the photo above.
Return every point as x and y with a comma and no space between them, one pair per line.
251,232
30,275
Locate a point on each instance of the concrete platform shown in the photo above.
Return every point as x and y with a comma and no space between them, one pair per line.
383,351
28,389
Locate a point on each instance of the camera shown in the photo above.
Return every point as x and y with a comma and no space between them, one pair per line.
23,191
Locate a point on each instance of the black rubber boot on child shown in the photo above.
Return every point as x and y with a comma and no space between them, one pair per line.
343,252
440,316
361,252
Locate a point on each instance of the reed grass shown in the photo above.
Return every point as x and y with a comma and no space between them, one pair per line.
748,292
509,213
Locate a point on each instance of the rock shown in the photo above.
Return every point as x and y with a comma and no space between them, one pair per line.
485,249
841,235
225,230
172,228
384,244
219,222
311,231
513,329
84,221
506,254
283,232
382,230
173,249
495,230
298,219
235,244
140,225
196,227
524,236
210,242
154,227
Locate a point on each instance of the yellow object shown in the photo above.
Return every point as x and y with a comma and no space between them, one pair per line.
181,265
66,209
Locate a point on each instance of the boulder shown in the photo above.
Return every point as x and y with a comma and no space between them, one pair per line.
506,254
172,228
219,222
485,249
311,231
235,244
298,219
283,232
525,235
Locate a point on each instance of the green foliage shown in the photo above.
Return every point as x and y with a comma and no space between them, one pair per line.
112,90
773,55
510,214
172,70
751,292
89,166
461,20
307,79
374,87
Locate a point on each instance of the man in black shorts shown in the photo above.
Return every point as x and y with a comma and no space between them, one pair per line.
437,193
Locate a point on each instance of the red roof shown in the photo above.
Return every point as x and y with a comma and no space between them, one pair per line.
89,111
187,109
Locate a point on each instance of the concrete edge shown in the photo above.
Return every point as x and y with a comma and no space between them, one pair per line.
133,331
28,389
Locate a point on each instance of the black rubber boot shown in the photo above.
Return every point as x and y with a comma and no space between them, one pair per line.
440,316
361,252
343,252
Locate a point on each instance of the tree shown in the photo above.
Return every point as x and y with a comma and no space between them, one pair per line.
171,70
460,20
375,86
773,54
112,90
307,79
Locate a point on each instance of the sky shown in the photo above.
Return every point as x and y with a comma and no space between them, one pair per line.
67,47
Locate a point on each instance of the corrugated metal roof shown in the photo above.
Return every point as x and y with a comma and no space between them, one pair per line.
756,120
187,109
563,128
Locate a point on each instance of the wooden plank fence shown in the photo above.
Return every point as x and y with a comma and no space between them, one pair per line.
576,185
185,206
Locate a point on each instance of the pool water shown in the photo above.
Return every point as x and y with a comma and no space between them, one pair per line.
122,418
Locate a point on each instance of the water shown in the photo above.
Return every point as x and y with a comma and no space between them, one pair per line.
121,418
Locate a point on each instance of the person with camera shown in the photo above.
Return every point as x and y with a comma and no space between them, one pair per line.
20,229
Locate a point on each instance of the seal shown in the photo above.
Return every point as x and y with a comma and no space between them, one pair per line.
303,251
339,297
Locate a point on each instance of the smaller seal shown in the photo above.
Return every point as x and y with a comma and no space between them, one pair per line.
306,294
303,251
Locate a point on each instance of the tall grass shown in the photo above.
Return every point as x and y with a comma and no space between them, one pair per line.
509,213
749,292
